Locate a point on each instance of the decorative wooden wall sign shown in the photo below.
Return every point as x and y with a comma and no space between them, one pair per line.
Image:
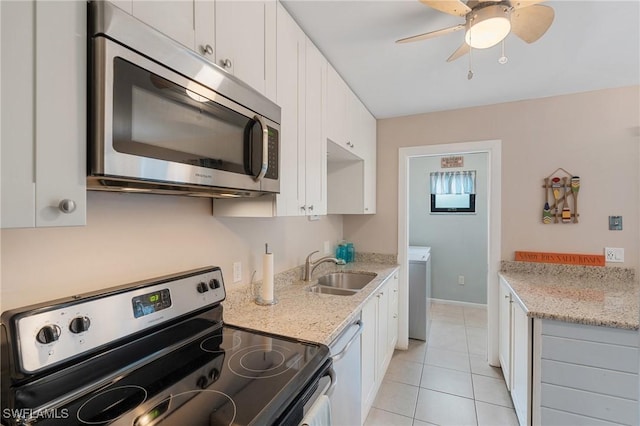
563,258
560,188
449,162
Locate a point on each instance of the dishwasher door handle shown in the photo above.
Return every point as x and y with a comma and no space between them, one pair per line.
337,357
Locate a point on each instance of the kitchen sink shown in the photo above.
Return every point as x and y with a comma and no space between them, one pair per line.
346,280
332,290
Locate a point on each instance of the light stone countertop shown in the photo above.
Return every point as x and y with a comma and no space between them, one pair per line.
601,296
300,313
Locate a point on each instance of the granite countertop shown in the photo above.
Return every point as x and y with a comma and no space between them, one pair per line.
300,313
601,296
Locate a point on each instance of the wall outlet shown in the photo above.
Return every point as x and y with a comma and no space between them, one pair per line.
237,272
461,279
612,254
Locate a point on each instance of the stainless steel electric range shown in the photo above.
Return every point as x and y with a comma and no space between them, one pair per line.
153,352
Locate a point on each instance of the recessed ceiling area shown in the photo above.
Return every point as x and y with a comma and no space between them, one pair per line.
591,45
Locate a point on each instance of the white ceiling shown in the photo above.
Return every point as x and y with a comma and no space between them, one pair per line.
591,45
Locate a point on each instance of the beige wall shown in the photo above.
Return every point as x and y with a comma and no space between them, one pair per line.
129,237
594,135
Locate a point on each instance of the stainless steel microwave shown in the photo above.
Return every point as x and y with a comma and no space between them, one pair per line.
164,119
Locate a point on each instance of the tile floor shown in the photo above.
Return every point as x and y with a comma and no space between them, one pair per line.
446,380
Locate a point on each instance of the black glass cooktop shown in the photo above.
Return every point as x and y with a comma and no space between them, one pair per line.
228,376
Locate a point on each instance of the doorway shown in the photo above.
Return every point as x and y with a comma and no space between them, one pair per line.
492,148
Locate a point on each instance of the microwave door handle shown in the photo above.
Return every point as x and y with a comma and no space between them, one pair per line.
265,147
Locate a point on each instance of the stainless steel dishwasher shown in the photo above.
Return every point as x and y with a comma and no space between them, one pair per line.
346,398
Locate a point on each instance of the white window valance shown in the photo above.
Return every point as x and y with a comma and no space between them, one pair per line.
458,182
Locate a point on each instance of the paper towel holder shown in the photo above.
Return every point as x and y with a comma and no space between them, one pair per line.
256,294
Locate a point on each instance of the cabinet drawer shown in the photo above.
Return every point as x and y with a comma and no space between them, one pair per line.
599,380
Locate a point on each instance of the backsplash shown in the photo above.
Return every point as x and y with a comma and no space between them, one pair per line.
577,271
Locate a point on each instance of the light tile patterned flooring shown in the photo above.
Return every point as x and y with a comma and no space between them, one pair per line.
446,380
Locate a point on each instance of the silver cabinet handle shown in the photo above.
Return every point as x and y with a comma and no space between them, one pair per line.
337,357
67,206
311,208
206,50
226,63
265,147
303,208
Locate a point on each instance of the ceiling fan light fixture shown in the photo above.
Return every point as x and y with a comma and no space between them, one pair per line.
487,27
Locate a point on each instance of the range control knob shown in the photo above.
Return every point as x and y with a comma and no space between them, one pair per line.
202,382
214,283
79,325
48,334
202,287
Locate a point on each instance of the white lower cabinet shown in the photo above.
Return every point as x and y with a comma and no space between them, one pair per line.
379,337
521,350
504,351
43,113
562,373
516,351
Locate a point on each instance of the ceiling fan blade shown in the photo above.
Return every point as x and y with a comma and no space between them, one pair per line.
519,4
462,50
452,7
431,34
532,22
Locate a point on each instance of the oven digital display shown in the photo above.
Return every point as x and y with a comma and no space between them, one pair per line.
151,302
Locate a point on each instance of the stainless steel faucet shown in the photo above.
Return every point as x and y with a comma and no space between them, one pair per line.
310,266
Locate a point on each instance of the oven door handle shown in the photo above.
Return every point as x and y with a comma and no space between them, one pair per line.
334,381
337,357
265,147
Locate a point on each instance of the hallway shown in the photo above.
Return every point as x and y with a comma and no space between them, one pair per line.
445,381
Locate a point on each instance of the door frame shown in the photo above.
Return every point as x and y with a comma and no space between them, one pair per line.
493,148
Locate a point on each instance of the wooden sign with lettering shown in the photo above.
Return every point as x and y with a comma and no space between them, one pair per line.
563,258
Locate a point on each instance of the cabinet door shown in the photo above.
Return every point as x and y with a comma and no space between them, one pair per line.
368,353
204,25
382,349
505,333
521,368
44,127
291,46
245,35
392,330
174,18
369,132
336,107
315,173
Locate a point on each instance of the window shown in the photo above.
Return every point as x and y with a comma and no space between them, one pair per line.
453,192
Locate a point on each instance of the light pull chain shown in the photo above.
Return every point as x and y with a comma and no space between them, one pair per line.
470,73
503,59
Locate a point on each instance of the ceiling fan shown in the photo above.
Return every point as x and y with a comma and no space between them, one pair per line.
488,22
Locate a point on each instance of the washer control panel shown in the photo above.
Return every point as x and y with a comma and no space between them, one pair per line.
48,335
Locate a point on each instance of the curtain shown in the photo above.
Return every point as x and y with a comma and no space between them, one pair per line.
459,182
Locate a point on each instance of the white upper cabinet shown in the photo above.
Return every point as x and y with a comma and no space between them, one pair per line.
302,72
189,22
315,137
351,131
291,47
245,33
43,113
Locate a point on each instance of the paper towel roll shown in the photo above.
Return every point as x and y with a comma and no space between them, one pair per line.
266,293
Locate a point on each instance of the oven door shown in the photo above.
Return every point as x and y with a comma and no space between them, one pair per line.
152,123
